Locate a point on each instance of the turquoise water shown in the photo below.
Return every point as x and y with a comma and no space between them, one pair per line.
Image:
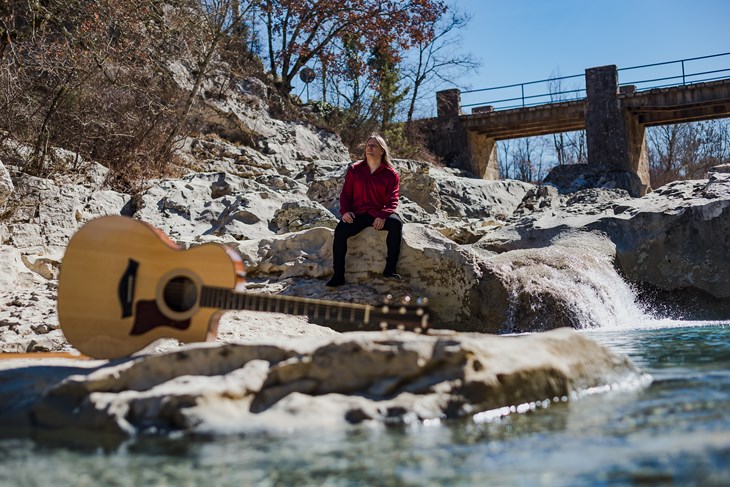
674,431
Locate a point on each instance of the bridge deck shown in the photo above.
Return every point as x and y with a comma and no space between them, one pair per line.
687,103
527,122
690,103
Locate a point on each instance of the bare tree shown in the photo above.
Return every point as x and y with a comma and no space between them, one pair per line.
221,18
298,31
439,59
505,159
687,150
569,147
527,159
93,77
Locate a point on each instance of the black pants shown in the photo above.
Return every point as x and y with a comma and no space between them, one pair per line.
394,227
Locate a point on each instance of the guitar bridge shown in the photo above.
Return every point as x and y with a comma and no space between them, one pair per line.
125,291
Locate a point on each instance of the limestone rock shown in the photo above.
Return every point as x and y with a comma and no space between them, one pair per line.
571,282
674,239
478,198
309,383
240,113
296,216
6,185
211,204
570,178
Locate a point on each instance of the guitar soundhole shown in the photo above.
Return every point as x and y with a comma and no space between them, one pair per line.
180,294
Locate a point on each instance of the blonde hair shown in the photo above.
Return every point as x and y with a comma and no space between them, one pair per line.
386,159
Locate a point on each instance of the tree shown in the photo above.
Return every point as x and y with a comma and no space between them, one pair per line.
687,150
570,147
66,73
438,59
389,94
524,159
505,158
299,31
221,18
94,76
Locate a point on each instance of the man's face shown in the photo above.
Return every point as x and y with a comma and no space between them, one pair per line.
373,149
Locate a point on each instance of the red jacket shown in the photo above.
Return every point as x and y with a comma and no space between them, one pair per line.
376,193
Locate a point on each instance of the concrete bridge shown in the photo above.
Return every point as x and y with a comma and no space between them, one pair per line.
614,119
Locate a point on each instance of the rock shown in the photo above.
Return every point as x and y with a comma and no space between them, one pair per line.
296,216
431,265
187,211
239,113
538,199
576,177
478,198
676,239
393,377
6,185
571,282
722,168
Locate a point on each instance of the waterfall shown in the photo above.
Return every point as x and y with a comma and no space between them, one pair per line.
572,282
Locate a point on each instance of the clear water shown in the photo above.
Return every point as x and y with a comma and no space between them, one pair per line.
675,431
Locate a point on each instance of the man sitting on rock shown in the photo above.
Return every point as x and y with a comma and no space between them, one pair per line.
369,198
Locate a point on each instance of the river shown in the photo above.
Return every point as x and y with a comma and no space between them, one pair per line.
673,429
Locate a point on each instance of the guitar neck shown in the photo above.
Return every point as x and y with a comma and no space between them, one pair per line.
349,316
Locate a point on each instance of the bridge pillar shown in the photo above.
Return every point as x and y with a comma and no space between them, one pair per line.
616,140
482,152
448,103
466,149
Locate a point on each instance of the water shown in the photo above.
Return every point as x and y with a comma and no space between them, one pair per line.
675,431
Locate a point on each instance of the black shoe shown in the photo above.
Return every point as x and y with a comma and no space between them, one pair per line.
392,275
335,281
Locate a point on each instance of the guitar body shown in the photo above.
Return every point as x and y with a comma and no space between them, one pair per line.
123,285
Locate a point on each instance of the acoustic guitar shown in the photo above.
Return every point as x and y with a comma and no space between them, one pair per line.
124,284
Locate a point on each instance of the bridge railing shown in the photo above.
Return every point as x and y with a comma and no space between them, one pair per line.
566,88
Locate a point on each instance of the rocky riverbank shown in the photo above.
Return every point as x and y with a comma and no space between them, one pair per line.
491,256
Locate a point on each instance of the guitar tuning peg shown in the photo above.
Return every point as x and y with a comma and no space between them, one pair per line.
405,300
383,325
388,298
422,301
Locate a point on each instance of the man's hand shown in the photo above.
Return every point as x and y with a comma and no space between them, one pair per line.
379,223
348,217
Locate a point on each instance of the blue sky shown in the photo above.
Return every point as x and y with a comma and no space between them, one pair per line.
525,40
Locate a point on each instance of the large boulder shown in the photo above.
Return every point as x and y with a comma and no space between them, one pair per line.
570,178
572,281
431,265
674,241
677,237
315,382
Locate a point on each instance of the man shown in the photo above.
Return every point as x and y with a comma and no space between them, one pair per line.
369,198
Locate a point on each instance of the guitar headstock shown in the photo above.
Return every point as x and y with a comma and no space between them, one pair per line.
408,314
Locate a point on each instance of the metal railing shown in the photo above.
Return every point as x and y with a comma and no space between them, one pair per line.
521,95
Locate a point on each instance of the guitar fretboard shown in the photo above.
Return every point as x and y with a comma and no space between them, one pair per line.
329,311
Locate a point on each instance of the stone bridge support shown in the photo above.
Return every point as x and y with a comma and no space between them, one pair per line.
615,138
480,156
